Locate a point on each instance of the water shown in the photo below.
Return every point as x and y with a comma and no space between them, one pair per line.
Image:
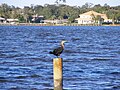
91,59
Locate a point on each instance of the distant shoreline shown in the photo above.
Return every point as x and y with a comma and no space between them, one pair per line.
38,24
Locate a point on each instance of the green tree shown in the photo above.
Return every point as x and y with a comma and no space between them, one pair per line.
53,17
5,10
27,13
38,9
47,12
21,19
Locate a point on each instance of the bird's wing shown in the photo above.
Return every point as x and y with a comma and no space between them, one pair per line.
58,50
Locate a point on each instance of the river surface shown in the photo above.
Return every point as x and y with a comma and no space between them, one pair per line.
91,59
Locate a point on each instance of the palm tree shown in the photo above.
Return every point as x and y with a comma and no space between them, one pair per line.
53,17
93,18
58,1
99,19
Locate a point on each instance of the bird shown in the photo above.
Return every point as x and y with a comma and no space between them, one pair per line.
58,50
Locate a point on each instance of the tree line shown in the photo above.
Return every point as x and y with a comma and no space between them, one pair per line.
57,11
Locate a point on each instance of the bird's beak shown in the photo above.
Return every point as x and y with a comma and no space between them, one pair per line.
65,41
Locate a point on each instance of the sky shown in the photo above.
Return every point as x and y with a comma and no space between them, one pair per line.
22,3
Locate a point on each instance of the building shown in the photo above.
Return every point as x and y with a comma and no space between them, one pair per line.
2,20
37,19
12,21
91,17
56,21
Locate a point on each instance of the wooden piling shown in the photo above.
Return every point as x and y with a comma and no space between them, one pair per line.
57,73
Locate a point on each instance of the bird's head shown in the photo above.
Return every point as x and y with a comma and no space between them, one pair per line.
63,41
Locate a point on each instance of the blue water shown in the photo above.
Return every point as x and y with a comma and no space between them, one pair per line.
91,59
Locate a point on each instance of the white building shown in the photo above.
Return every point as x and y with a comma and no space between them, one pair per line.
12,21
37,19
89,17
2,20
56,21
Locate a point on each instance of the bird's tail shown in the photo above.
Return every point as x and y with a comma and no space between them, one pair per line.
51,52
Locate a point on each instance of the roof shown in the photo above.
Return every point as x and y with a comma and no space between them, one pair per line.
88,19
34,16
11,20
91,12
95,14
2,18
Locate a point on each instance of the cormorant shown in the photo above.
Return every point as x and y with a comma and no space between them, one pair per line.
58,50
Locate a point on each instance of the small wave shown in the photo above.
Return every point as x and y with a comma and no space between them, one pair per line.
21,77
99,72
117,87
71,51
86,52
20,88
35,76
75,39
116,73
78,71
11,56
101,59
31,76
30,41
3,80
118,52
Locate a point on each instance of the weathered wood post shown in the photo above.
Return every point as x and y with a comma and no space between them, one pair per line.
57,73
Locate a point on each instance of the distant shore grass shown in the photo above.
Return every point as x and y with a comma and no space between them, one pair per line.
39,24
